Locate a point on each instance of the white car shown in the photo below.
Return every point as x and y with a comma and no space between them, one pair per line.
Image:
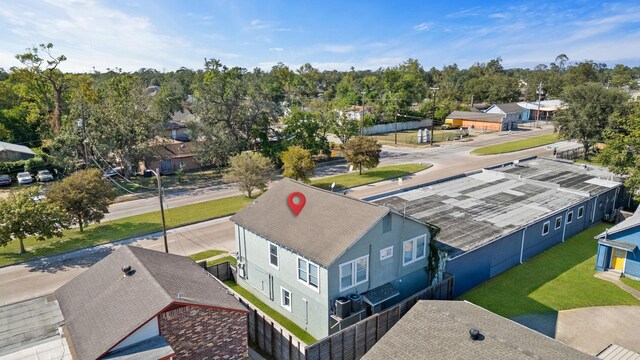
24,178
44,175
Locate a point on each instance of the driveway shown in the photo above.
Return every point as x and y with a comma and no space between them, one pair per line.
592,329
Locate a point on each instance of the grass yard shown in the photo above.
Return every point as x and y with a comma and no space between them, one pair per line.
368,176
517,145
230,259
633,283
281,319
119,229
205,254
560,278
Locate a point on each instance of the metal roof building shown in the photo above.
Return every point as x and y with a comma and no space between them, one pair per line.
13,152
493,219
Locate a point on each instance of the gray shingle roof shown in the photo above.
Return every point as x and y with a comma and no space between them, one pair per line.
5,146
440,330
477,116
628,223
101,306
327,226
508,108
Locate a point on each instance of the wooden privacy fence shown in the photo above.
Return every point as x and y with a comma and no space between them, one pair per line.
223,271
272,341
353,342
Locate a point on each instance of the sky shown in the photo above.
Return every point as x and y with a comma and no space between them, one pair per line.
167,35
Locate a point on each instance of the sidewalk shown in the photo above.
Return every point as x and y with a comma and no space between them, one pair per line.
614,277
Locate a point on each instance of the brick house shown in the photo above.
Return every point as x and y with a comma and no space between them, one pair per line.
144,304
170,155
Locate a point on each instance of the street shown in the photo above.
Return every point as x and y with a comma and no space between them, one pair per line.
41,277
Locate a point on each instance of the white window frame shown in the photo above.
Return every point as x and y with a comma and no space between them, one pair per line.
386,253
557,225
282,297
307,271
569,214
277,266
354,273
414,256
580,210
548,225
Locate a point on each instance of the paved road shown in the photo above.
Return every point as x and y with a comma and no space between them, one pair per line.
40,277
448,154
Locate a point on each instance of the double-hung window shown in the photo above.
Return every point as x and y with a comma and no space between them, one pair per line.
545,228
569,217
580,212
414,249
309,273
285,298
273,255
558,222
354,272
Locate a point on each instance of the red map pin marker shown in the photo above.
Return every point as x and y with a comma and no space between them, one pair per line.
296,208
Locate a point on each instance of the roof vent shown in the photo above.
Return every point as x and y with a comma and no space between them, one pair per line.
516,162
126,270
475,334
180,295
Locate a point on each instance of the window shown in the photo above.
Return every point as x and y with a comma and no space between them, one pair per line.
558,222
354,272
580,212
273,255
308,273
285,298
414,249
545,228
386,253
569,217
386,223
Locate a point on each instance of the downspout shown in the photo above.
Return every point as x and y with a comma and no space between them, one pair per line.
522,243
244,239
613,207
564,227
593,214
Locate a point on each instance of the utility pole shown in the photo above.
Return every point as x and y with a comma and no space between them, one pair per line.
539,91
433,118
164,225
363,92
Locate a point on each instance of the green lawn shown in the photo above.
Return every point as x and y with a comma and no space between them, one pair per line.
73,239
369,176
517,145
560,278
229,258
633,283
205,254
276,316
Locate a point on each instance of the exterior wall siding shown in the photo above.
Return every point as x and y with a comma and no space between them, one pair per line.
482,125
202,333
479,265
309,308
632,262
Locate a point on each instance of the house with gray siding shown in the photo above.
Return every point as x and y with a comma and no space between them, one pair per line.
513,113
494,219
14,152
337,261
618,247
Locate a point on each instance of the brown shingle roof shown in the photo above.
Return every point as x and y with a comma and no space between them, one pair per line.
440,330
327,226
101,306
472,115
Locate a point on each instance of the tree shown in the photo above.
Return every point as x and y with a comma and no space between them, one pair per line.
23,215
50,75
305,130
363,151
344,127
84,195
250,170
622,153
587,113
297,163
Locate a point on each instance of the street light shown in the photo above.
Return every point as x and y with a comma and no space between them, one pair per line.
164,225
433,118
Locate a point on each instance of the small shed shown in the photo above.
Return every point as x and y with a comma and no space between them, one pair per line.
14,152
480,121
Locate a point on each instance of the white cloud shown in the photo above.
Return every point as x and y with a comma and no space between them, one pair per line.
338,49
277,49
423,26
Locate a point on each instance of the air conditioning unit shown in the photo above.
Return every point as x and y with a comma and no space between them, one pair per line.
606,217
343,307
241,269
356,302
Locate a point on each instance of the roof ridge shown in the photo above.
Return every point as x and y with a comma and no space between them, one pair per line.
331,192
129,248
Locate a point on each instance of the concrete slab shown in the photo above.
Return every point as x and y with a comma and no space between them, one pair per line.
592,329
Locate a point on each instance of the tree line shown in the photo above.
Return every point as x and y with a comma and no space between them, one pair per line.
110,115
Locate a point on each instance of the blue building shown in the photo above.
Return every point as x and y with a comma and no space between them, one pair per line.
494,219
618,247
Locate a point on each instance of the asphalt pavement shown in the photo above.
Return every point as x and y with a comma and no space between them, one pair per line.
43,276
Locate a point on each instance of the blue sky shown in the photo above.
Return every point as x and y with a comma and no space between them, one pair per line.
167,35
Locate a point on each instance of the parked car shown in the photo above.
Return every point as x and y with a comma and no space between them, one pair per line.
113,171
5,180
44,175
24,178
